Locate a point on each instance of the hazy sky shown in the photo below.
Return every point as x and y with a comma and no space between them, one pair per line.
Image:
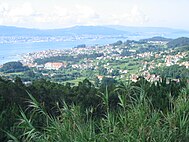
66,13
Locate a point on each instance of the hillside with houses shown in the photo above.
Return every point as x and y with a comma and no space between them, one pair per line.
121,61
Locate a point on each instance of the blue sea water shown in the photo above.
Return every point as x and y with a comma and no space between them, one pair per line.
12,51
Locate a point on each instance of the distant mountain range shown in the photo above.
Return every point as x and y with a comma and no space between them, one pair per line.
95,30
153,31
73,31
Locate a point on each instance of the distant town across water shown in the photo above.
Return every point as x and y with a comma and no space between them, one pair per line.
13,51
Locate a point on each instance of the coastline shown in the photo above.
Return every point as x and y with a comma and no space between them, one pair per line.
14,51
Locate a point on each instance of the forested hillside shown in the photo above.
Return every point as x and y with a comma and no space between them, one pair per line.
179,42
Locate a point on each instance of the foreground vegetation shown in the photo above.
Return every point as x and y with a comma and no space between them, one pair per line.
113,111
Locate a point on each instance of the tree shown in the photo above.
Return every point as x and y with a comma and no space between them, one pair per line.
13,67
115,72
96,81
18,81
103,71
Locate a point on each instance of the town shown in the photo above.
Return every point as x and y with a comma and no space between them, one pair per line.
35,39
121,61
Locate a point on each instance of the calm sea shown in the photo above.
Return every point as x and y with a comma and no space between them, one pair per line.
12,52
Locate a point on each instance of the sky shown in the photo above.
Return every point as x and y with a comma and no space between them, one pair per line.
49,14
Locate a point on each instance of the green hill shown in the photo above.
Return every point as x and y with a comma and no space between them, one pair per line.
182,41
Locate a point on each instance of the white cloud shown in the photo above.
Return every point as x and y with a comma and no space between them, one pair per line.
75,15
64,16
136,15
3,12
15,15
21,11
133,16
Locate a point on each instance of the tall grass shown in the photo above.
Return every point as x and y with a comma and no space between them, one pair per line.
134,120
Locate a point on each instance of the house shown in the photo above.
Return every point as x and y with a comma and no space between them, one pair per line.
40,67
123,71
100,77
27,83
54,66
